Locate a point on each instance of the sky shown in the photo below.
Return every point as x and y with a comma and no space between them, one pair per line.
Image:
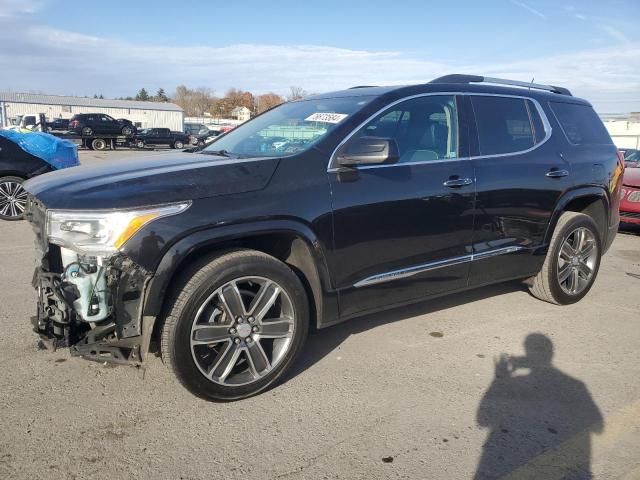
115,48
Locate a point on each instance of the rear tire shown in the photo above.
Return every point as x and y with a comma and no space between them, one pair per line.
87,131
178,144
127,130
243,347
572,262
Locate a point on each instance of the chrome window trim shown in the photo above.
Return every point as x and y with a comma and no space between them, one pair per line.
545,123
416,269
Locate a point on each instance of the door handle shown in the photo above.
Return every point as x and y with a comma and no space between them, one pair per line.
457,182
556,173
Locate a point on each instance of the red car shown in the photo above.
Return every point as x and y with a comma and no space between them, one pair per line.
630,204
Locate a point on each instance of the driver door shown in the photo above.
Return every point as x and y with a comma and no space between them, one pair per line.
403,231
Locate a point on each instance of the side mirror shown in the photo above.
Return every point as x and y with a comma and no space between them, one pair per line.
368,151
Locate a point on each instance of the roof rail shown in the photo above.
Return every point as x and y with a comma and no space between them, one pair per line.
458,78
362,86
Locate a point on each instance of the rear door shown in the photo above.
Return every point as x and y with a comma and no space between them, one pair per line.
403,231
520,175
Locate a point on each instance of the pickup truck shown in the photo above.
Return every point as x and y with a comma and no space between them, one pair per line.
160,136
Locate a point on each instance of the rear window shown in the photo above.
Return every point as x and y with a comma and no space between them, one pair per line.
580,124
504,125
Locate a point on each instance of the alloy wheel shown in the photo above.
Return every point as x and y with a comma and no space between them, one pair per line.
577,260
13,199
242,331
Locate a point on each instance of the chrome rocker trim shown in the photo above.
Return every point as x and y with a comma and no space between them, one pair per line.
410,271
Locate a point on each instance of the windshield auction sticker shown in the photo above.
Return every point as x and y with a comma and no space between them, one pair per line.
326,117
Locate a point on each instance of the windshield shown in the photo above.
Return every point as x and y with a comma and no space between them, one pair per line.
288,129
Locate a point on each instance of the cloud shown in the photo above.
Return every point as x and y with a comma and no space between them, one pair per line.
59,62
529,8
615,33
9,8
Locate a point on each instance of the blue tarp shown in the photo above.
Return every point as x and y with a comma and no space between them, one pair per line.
55,151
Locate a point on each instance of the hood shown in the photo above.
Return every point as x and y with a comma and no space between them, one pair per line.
632,177
150,180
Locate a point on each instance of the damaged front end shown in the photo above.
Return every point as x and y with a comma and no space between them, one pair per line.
90,294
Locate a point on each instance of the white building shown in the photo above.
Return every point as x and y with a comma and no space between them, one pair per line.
142,114
241,113
625,132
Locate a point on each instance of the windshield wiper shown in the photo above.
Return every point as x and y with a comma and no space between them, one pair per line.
222,153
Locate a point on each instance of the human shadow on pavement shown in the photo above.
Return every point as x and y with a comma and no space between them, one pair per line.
322,342
540,423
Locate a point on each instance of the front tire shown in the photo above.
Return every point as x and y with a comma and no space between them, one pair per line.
572,262
235,325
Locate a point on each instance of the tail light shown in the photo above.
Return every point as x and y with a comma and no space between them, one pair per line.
73,123
621,158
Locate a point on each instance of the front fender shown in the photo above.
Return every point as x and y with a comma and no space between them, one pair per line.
176,255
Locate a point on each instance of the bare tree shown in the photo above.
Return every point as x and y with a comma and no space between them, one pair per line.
296,93
194,102
268,100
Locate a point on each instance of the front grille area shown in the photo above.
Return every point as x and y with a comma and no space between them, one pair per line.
629,215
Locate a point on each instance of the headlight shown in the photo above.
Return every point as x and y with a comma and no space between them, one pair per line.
101,233
634,196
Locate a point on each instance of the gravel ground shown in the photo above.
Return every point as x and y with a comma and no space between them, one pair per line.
409,393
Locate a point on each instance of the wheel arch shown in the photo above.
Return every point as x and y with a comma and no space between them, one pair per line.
592,201
289,242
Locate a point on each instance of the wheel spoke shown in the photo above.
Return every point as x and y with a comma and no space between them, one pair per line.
209,334
230,296
276,329
586,251
574,280
257,359
567,251
224,362
264,300
564,273
585,270
578,242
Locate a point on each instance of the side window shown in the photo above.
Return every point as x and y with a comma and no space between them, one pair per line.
580,124
503,124
425,128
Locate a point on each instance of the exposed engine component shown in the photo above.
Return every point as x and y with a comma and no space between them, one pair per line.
88,276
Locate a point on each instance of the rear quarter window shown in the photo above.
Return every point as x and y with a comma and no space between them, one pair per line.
580,124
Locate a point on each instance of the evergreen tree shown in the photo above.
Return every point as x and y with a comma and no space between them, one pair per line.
142,95
161,96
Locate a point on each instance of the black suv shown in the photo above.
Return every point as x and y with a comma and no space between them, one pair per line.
318,211
90,124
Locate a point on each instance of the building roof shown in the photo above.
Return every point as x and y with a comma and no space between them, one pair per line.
16,97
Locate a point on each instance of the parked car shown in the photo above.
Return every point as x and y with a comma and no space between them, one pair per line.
59,124
204,137
383,196
18,165
90,124
194,128
630,204
631,157
160,136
